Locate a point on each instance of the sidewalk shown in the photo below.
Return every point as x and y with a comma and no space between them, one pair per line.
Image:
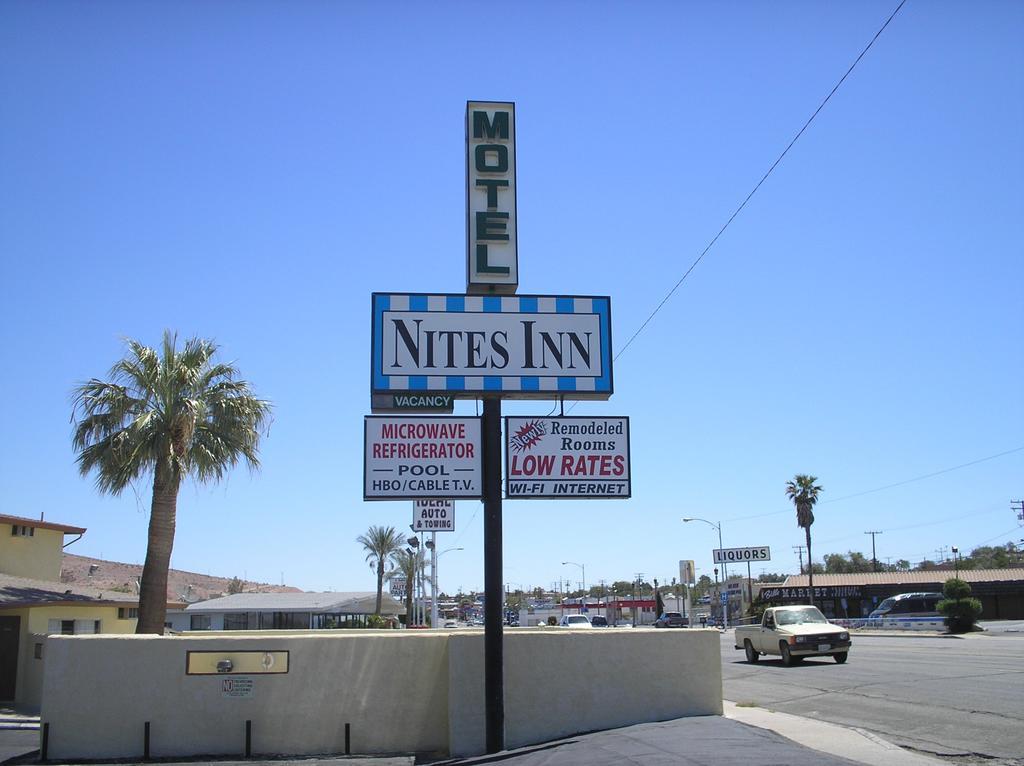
852,743
743,736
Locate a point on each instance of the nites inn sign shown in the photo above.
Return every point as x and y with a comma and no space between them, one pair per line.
521,346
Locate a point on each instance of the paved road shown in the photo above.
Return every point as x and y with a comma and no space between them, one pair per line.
960,698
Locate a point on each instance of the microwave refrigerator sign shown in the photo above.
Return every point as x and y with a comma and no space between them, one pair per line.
515,347
567,457
415,458
492,260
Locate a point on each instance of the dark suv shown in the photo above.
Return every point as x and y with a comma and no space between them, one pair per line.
598,621
671,620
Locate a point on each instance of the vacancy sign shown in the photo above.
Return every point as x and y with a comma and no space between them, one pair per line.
739,555
512,346
433,516
577,457
413,458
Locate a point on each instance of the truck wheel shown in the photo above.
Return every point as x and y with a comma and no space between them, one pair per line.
787,658
748,648
840,657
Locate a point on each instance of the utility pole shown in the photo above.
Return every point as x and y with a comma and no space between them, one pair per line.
637,611
1018,507
874,560
800,550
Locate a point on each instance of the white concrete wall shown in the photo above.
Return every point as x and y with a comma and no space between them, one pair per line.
401,691
560,682
98,692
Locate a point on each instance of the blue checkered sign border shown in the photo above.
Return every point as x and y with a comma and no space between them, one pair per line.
593,309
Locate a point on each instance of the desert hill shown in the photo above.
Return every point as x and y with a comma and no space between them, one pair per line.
181,586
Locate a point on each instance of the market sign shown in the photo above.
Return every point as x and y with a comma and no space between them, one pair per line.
515,347
492,259
799,594
739,555
566,457
411,458
433,516
407,402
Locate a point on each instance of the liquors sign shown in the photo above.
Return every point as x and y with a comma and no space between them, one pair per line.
521,346
410,458
492,261
739,555
577,457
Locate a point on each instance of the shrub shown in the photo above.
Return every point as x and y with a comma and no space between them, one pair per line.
959,609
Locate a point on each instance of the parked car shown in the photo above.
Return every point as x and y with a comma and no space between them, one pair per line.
671,620
575,621
909,605
598,621
793,632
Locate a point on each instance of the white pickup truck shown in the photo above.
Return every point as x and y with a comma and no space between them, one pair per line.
793,632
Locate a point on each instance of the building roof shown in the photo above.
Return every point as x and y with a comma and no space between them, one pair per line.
350,601
1015,574
40,524
23,591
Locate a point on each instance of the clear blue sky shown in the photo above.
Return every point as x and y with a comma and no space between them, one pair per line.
251,172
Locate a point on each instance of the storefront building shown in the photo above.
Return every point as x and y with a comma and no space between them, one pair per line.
1001,591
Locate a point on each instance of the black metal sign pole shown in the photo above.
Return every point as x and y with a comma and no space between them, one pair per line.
494,592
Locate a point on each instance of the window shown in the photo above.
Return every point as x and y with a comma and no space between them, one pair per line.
73,627
19,530
201,622
236,621
285,620
127,613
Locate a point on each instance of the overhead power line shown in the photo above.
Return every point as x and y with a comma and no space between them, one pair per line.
757,186
921,478
887,486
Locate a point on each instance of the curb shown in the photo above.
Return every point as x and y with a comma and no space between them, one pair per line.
846,742
909,634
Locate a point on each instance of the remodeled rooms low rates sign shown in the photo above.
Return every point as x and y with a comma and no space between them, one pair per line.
512,346
562,457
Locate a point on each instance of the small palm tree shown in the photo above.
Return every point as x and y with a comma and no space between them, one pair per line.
804,493
173,413
379,543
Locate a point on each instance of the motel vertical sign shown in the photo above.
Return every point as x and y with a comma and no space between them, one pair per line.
492,258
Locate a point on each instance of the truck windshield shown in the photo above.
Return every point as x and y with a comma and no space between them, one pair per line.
800,616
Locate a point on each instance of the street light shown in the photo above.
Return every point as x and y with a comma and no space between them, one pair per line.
434,556
725,571
583,569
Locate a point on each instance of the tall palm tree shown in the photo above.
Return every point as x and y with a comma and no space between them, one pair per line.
407,563
804,493
172,413
379,543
